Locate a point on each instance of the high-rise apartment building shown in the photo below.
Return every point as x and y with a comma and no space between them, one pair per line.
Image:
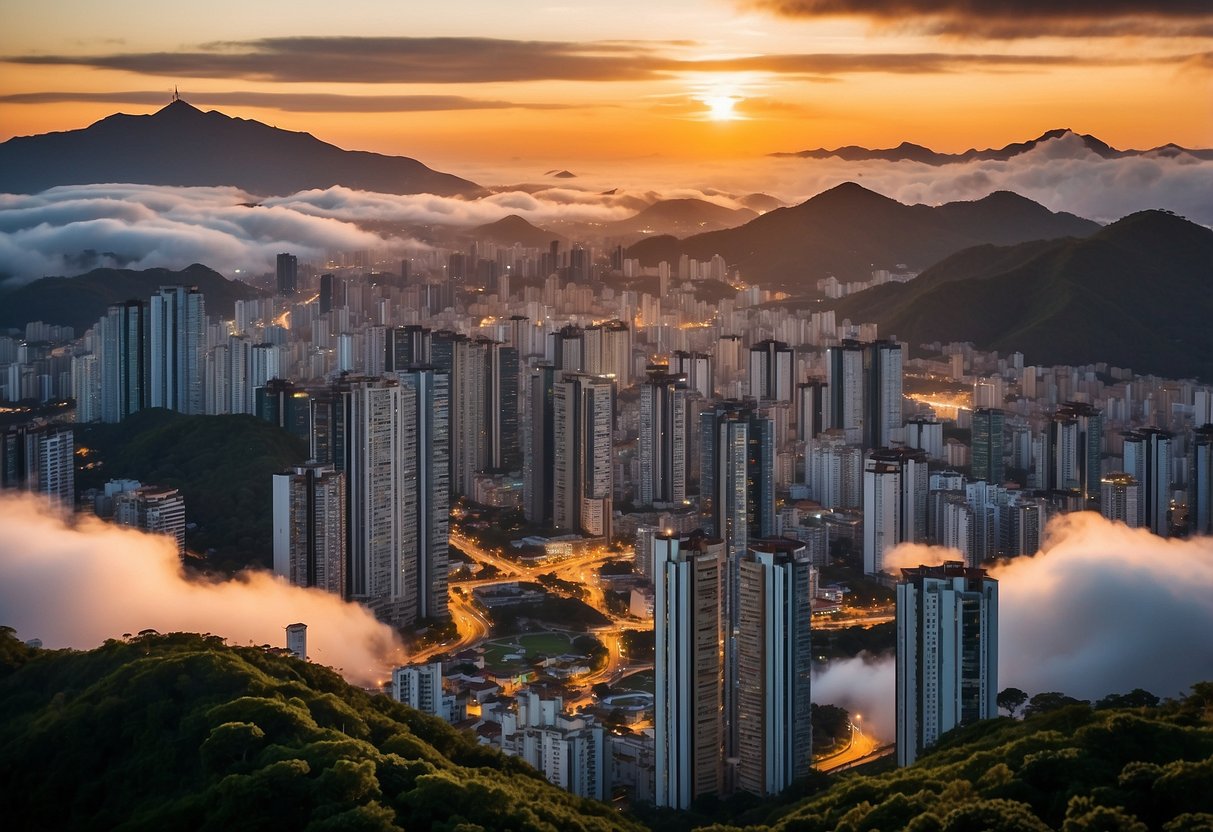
811,412
41,459
310,528
699,368
864,388
124,350
583,423
774,660
288,274
177,344
390,437
834,471
608,352
1119,498
539,447
1073,448
688,671
662,448
895,488
1147,458
989,445
154,509
947,653
283,404
772,376
1200,482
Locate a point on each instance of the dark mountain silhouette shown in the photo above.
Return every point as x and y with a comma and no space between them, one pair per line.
80,301
848,231
761,202
680,216
1136,294
514,229
181,145
907,151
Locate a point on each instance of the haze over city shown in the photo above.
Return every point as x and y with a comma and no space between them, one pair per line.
781,413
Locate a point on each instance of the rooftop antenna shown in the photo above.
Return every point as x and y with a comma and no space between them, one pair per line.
176,95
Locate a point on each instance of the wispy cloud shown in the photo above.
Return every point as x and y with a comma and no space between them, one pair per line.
488,60
1010,19
288,101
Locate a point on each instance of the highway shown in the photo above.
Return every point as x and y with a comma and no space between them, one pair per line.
581,570
862,748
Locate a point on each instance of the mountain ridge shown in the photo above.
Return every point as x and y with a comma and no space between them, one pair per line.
908,151
849,230
182,145
1134,294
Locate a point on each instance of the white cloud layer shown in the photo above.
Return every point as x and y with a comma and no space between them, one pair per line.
78,585
1101,609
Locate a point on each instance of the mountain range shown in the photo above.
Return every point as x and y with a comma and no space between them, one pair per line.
848,231
80,301
1135,294
181,145
909,152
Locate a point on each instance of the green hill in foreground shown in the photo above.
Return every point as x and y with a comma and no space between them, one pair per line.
179,732
182,732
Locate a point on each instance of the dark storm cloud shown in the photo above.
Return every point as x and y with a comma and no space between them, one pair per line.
485,60
1018,18
290,102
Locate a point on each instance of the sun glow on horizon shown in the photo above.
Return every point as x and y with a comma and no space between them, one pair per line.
722,107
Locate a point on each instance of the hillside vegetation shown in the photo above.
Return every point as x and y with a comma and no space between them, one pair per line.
183,732
179,732
222,464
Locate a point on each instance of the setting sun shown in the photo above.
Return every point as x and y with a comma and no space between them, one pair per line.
721,107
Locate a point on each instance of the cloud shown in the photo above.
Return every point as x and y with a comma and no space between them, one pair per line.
288,101
432,60
76,585
489,60
865,687
1061,174
1016,18
1101,609
144,226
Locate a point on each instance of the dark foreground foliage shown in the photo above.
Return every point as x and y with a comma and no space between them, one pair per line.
182,732
179,732
1074,769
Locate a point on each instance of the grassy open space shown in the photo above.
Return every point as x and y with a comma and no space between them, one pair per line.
535,644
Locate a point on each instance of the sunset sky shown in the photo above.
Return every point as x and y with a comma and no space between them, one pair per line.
470,82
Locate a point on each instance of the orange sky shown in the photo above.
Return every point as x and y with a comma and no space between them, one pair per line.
683,80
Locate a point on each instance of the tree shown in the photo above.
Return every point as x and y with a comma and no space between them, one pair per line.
1011,700
1136,698
1043,703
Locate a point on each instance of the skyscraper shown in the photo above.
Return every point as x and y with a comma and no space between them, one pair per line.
688,669
1119,497
539,445
834,471
1074,447
864,388
41,459
288,274
283,404
124,349
772,374
177,343
774,658
406,346
391,440
608,352
662,449
811,409
947,653
583,423
310,528
989,445
1200,478
1147,458
699,368
895,488
155,509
